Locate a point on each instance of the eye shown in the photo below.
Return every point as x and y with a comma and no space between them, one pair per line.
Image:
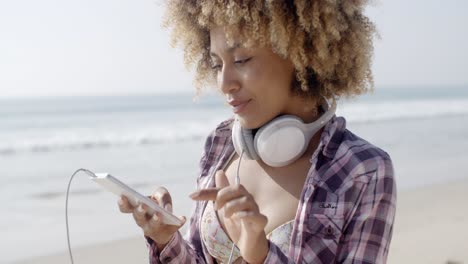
242,61
216,67
216,64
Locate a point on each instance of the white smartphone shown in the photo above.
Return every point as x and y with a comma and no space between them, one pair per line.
117,187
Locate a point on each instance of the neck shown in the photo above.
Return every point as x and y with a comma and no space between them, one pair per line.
305,109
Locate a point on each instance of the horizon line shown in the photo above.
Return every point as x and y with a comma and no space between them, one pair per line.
205,92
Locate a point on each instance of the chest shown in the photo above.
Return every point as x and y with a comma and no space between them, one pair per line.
276,191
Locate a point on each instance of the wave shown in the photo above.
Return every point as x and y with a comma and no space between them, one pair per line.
380,111
94,138
196,130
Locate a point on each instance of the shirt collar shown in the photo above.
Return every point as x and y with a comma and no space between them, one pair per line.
331,136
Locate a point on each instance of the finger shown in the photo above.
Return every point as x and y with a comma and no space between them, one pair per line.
183,219
124,205
153,224
211,193
162,197
205,194
252,220
229,193
145,208
242,214
242,203
140,216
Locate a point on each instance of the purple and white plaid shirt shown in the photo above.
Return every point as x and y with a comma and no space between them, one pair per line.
345,214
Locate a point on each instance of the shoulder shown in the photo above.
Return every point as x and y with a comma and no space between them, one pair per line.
363,157
217,148
360,154
349,158
350,171
219,135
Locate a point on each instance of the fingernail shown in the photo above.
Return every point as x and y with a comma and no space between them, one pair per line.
194,195
155,217
140,209
168,207
184,219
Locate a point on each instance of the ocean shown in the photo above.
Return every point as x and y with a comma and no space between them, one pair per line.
154,140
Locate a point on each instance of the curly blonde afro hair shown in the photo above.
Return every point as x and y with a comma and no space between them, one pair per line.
329,42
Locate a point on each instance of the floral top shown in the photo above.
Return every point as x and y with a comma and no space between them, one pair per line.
219,245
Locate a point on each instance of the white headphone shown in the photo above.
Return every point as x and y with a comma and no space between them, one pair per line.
282,140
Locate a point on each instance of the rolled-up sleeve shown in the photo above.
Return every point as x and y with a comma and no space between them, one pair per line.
176,251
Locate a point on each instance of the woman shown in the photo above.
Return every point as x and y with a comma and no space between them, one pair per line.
330,198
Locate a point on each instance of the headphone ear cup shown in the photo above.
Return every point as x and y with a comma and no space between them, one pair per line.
242,140
248,142
281,141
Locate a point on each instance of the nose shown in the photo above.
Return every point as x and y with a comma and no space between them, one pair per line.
228,80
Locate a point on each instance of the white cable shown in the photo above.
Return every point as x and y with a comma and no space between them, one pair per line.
237,183
90,173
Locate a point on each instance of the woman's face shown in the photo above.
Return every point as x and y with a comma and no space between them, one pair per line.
255,81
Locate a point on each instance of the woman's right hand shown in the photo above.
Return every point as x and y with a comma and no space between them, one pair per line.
152,225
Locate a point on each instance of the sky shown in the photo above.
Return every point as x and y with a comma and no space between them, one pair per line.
117,47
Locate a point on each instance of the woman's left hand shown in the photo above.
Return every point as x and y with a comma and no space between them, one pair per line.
243,220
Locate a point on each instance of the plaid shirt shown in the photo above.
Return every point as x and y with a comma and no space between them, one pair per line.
346,210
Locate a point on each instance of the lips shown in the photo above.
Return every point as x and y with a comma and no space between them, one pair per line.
238,105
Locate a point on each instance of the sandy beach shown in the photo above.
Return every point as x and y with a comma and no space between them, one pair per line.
430,227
